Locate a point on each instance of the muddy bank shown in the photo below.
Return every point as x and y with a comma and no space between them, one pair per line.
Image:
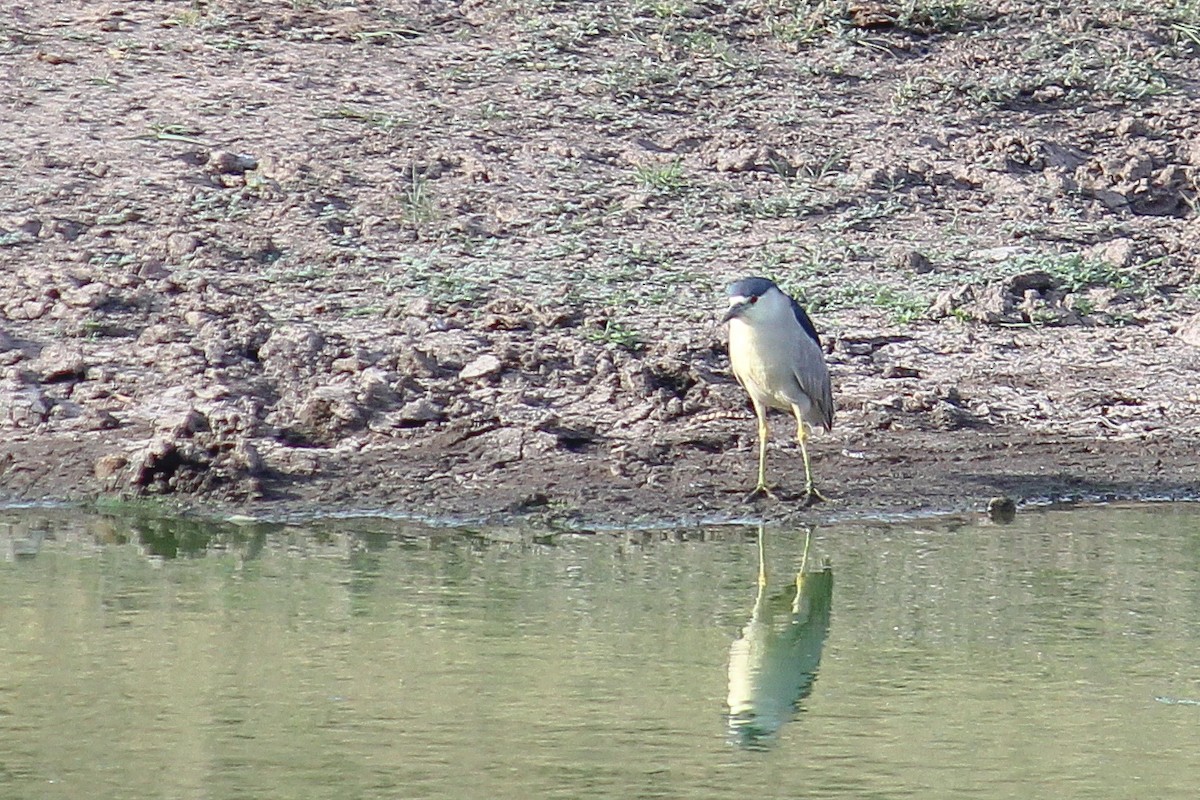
451,423
466,261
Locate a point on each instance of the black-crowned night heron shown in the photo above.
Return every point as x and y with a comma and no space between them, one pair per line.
776,356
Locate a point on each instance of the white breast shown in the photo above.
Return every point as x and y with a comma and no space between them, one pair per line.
761,362
766,360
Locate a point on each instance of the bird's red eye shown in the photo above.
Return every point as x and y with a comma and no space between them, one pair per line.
753,300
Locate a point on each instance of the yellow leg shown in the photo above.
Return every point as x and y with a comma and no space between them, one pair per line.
796,602
804,556
761,489
811,495
762,558
760,599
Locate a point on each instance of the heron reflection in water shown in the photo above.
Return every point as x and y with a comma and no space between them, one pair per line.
773,665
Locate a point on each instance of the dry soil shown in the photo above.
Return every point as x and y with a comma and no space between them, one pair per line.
465,260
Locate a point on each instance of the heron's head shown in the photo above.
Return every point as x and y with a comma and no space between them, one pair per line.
756,301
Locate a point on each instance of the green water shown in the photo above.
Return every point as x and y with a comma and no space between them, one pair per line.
1055,657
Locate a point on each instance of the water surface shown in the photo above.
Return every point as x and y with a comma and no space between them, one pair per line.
1058,656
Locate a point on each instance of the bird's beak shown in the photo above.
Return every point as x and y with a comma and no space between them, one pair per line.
735,310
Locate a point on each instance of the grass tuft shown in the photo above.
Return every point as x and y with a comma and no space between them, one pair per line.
662,178
1073,271
416,201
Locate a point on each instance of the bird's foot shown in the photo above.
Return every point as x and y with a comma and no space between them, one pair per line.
812,497
760,492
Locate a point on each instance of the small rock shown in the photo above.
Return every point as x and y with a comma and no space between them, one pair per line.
28,309
1190,331
994,304
1109,198
158,459
1130,126
530,502
1002,510
635,201
349,364
182,425
910,261
329,411
1118,253
162,333
739,160
419,307
1049,93
969,176
181,244
375,389
748,159
419,411
915,403
109,465
950,300
1173,176
228,163
1060,182
153,270
900,371
58,362
947,416
480,368
919,168
23,406
503,446
226,421
100,420
872,178
1002,253
416,363
1138,167
246,457
30,226
872,15
291,350
1036,280
92,295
